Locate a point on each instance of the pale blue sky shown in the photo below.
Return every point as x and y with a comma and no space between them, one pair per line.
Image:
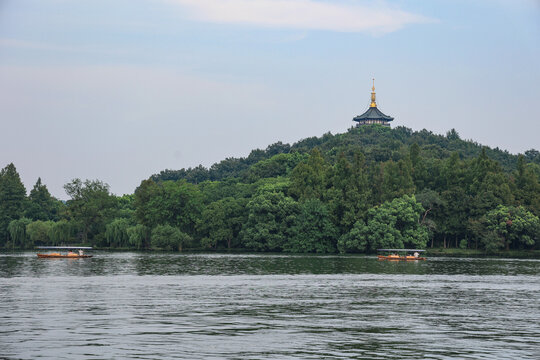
119,90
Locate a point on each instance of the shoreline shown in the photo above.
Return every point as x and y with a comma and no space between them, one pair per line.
430,252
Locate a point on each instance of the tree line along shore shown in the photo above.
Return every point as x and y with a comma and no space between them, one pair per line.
368,188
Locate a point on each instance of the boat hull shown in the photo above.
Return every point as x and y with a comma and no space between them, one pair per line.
399,258
56,256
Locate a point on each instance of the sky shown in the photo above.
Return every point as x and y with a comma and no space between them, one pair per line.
117,90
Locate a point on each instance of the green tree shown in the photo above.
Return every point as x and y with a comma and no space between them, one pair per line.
116,233
397,179
125,207
527,187
533,155
213,191
167,237
489,186
453,135
12,199
183,205
146,200
432,203
278,165
139,236
41,205
178,204
478,232
17,232
271,185
376,176
394,224
349,195
221,222
38,232
419,173
308,178
60,232
313,232
455,201
91,205
514,227
355,240
271,216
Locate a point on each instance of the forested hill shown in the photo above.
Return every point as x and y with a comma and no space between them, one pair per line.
371,187
377,143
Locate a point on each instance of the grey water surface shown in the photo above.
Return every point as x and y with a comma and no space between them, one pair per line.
194,306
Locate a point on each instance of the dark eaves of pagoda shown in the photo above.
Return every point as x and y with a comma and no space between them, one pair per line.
373,114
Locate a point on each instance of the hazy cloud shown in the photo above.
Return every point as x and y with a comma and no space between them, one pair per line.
302,14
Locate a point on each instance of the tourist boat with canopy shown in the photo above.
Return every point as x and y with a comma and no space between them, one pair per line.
400,254
73,252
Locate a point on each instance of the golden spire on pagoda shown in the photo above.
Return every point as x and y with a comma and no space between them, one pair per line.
373,103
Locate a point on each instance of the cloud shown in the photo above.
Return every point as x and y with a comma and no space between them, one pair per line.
302,14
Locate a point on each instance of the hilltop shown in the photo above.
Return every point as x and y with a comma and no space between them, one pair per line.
371,187
377,143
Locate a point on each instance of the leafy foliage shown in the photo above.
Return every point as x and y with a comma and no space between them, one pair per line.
138,236
90,205
512,226
17,232
394,224
60,232
12,199
167,237
221,222
313,232
177,204
116,233
308,177
367,188
39,232
271,216
41,205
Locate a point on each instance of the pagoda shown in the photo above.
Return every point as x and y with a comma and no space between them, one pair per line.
373,115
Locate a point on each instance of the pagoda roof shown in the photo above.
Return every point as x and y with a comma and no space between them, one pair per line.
373,114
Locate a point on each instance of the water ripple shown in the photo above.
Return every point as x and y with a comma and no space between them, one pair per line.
170,306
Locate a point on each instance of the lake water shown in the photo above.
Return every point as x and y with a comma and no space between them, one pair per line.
170,306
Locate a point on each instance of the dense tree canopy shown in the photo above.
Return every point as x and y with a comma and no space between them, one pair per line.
167,237
90,207
313,231
12,199
271,216
221,222
393,225
41,205
511,226
368,188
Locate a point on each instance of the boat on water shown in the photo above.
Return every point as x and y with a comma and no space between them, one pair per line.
73,252
400,254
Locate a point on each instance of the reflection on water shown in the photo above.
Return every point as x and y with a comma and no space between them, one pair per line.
158,306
